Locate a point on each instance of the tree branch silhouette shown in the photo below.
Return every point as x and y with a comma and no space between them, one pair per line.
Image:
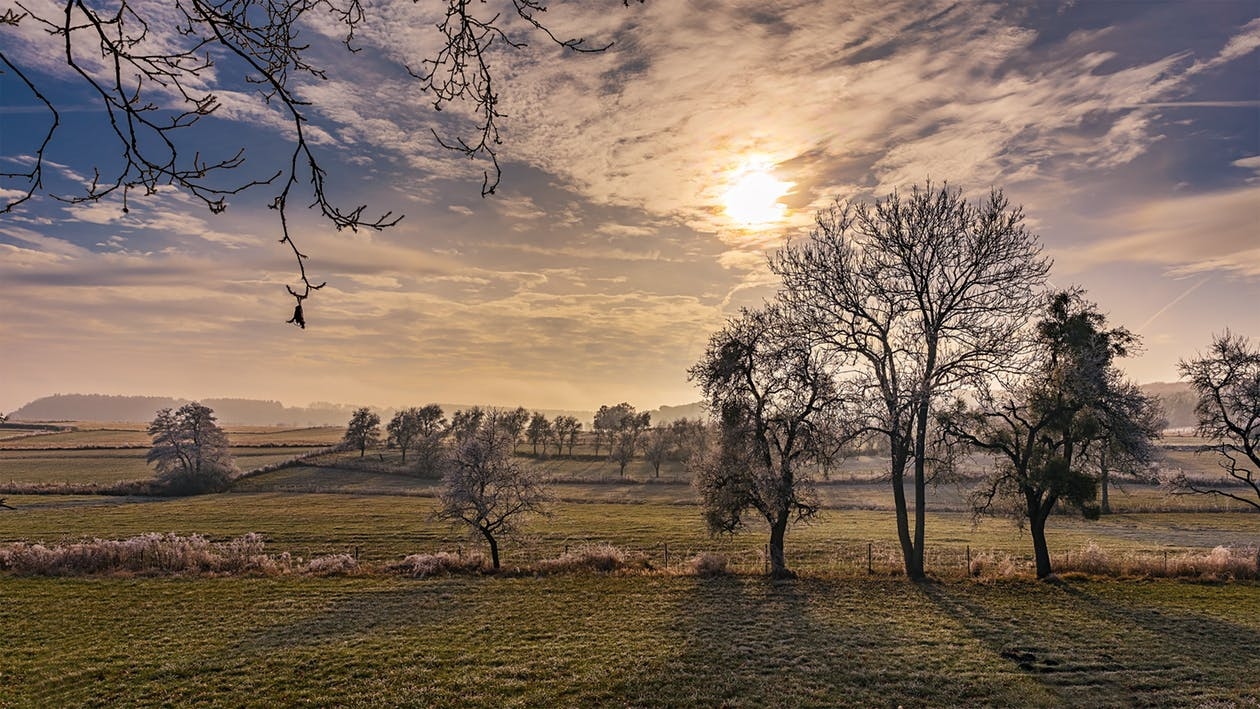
155,89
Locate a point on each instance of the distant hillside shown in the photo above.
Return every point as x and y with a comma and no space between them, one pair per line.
254,412
242,412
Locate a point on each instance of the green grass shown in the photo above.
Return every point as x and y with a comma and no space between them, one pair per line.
111,465
624,641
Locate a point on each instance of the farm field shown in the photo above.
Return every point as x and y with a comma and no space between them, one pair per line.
849,632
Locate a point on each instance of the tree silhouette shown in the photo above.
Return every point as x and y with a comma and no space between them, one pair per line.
1227,380
157,70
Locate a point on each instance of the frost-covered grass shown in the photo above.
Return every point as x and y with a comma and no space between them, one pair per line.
616,640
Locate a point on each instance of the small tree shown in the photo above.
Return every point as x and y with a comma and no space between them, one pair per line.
657,446
487,490
514,423
767,386
566,429
190,451
691,438
539,431
1048,430
625,438
417,429
363,430
466,422
404,430
1227,381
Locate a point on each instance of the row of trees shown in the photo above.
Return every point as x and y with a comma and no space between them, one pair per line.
619,430
923,322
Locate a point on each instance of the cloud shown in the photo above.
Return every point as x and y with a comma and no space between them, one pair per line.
1187,234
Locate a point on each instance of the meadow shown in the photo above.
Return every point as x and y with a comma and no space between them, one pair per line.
850,632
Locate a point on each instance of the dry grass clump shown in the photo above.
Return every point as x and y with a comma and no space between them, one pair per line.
603,558
444,563
333,565
707,563
145,554
156,554
994,566
1221,563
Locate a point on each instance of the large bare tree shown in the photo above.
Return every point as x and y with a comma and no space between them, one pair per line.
157,69
1227,380
924,293
768,387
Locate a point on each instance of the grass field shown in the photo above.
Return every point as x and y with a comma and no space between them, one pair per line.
836,637
625,640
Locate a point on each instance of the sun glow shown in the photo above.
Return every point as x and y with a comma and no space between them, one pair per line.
753,197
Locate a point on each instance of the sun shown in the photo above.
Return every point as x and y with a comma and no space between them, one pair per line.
753,197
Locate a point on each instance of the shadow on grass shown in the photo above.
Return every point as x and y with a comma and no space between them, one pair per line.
1088,650
745,641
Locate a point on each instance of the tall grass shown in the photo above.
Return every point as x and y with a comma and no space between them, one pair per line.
165,554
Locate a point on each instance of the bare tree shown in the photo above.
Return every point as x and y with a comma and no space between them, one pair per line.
691,438
924,295
566,429
624,427
364,430
466,422
415,428
657,446
486,489
1047,429
767,385
156,70
1227,380
539,432
514,423
404,430
190,450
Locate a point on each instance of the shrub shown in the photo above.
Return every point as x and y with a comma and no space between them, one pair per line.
707,564
603,558
147,554
993,565
421,565
333,565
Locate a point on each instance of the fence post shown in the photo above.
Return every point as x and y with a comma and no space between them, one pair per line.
968,559
869,552
667,555
1165,562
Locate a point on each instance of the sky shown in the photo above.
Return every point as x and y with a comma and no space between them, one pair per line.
642,189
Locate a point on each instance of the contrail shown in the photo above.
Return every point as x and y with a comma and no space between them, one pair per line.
1176,300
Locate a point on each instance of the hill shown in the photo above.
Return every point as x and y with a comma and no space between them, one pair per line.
252,412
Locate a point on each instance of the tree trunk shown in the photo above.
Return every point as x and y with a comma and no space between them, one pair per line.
494,548
778,562
913,563
404,455
1037,525
1104,480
